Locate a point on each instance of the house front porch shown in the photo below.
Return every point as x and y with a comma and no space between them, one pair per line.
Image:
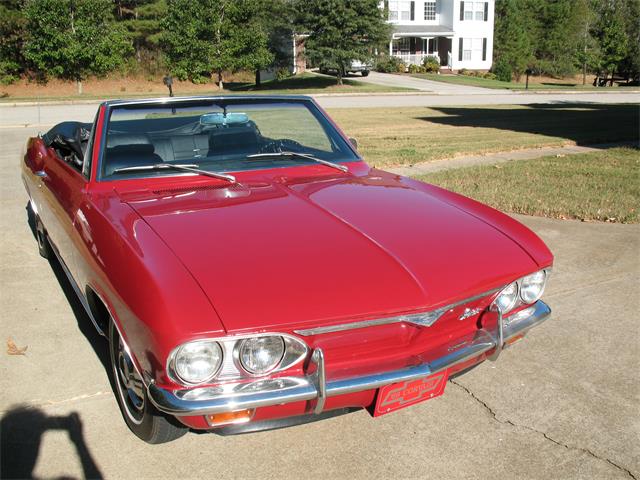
412,44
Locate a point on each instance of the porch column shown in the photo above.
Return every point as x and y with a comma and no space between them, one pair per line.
391,47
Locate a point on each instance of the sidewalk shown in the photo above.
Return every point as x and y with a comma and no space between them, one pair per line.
500,157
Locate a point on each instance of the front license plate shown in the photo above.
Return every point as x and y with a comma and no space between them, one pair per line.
403,394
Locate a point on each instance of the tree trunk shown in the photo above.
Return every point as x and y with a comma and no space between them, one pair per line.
79,85
258,79
339,75
220,82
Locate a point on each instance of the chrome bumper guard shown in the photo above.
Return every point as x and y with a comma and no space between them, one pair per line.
315,387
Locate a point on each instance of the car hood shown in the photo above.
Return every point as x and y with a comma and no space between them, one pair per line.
286,252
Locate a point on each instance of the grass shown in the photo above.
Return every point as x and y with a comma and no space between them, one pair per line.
306,83
405,136
599,186
497,84
310,83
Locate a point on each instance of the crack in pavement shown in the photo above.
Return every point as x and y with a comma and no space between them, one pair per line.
49,403
493,415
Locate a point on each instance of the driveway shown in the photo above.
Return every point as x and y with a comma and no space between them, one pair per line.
390,80
563,403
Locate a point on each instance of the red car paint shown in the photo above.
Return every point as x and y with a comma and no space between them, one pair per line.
179,258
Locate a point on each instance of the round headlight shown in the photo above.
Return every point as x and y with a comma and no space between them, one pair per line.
533,286
507,298
197,362
260,355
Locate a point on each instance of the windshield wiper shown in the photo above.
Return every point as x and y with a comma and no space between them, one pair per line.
191,167
337,166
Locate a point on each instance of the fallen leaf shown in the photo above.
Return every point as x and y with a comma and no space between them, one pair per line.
13,349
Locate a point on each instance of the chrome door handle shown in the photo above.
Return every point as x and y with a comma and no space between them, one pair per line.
41,174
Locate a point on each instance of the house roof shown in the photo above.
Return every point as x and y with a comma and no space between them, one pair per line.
422,31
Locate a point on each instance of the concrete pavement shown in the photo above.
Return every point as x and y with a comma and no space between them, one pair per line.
422,84
47,114
563,403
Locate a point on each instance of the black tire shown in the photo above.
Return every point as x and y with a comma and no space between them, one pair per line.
365,73
142,418
44,247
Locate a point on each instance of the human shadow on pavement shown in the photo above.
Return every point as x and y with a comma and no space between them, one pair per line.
21,431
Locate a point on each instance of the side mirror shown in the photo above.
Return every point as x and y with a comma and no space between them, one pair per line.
354,142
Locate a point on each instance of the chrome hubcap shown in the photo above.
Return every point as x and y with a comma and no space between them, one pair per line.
131,384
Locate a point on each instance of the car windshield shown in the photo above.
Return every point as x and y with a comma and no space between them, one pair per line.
218,135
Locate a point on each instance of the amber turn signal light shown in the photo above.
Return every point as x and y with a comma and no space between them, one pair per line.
515,339
229,418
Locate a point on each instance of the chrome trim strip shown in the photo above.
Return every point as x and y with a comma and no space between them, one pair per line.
423,319
276,391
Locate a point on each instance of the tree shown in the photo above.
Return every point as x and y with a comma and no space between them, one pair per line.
513,46
205,36
341,31
12,30
73,39
143,21
612,35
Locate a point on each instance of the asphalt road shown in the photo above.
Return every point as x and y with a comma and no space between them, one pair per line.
564,403
49,114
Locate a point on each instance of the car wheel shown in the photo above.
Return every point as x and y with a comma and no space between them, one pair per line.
365,73
141,416
44,247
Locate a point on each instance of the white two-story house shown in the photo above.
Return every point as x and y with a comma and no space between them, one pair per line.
458,32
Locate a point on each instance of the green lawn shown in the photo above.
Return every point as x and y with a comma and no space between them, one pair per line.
303,84
310,83
602,186
405,136
486,83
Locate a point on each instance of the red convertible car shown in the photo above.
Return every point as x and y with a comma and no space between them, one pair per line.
250,271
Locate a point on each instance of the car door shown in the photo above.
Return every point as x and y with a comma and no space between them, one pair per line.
63,188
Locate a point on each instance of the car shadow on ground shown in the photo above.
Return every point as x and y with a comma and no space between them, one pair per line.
582,123
21,432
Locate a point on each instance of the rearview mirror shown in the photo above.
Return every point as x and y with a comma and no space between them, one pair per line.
218,119
354,142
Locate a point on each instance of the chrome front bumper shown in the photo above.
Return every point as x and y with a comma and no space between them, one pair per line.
315,387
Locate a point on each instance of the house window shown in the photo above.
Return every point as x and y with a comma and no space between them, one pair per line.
472,49
473,11
429,10
399,11
466,49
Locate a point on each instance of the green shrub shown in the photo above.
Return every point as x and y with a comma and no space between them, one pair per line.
431,64
390,65
489,76
416,69
502,71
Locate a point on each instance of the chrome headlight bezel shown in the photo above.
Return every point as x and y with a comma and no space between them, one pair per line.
519,299
173,369
239,353
231,369
527,282
511,290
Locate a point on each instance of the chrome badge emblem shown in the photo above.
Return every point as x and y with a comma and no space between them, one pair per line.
469,312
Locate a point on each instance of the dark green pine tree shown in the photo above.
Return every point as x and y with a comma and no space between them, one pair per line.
12,32
341,31
143,21
513,44
612,34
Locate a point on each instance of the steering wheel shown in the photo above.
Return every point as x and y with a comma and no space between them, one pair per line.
283,144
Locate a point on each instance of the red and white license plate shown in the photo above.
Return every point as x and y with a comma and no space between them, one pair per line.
403,394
